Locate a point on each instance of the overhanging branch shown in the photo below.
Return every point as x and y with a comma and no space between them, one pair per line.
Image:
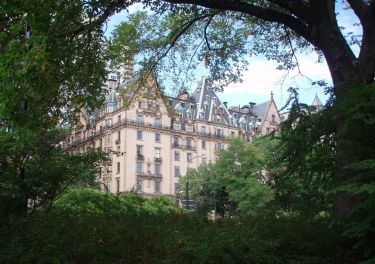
264,13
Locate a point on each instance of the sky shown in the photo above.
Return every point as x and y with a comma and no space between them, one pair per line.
262,77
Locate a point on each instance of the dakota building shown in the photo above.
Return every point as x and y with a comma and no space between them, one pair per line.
153,139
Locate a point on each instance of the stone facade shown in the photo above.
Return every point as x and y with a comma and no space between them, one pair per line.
153,139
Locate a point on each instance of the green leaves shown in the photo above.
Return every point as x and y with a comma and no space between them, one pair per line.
237,181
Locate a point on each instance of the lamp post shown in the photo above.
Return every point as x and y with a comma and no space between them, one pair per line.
187,179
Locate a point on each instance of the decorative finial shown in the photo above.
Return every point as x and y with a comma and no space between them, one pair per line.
271,95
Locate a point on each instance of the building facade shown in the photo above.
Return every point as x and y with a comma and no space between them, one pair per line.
153,139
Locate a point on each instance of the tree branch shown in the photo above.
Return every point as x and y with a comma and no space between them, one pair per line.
295,7
185,27
267,14
205,31
360,8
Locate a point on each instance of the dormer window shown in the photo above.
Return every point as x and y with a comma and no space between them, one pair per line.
206,105
183,105
201,115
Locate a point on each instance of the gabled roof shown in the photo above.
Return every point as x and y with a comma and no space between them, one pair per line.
262,108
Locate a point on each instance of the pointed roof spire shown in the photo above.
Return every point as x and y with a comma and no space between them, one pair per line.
271,95
316,102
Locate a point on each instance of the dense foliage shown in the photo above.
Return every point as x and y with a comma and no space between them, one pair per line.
234,184
86,226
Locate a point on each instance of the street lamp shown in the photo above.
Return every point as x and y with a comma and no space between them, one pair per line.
187,179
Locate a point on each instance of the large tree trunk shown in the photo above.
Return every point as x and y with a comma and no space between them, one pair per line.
347,73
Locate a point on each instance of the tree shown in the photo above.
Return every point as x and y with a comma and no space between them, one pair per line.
237,182
52,63
278,29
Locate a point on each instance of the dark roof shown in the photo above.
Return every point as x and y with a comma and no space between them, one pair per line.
261,109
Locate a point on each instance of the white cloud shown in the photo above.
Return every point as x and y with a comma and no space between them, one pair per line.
263,77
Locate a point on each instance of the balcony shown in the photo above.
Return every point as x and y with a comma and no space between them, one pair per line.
176,145
149,175
140,157
217,135
189,147
158,159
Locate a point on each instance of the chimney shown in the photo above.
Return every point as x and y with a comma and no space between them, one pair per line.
225,104
252,105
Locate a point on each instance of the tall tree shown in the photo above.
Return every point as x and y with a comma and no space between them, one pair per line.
52,63
230,30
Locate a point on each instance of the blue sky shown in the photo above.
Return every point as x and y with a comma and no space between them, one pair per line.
262,76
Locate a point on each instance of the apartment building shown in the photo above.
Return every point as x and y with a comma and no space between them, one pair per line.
153,139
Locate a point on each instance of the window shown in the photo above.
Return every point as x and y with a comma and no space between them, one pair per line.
157,186
177,126
139,135
219,133
157,137
139,150
176,188
183,104
176,171
170,102
118,135
188,157
201,115
189,115
176,155
268,130
117,185
204,160
118,168
203,144
139,185
118,119
109,138
232,134
188,143
189,128
157,122
157,168
139,168
157,153
175,141
203,130
108,122
139,119
149,91
273,118
157,108
139,104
